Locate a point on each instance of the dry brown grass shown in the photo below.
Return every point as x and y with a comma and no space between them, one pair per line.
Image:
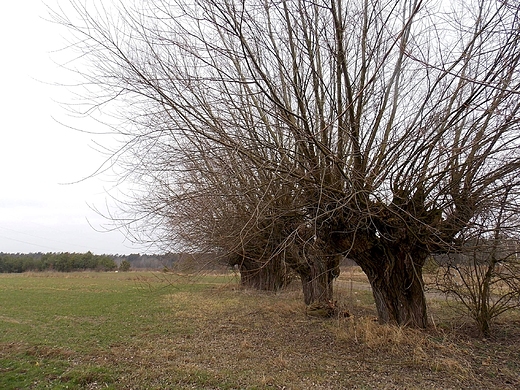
250,340
218,336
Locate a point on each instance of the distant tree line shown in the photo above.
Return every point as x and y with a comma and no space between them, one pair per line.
147,261
68,262
61,262
177,262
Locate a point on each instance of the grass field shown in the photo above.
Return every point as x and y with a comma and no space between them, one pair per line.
157,331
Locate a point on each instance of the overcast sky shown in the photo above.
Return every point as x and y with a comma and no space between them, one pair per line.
38,212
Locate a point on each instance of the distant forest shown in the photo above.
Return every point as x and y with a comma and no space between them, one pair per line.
69,262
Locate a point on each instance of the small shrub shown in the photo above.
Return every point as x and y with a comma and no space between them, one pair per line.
124,266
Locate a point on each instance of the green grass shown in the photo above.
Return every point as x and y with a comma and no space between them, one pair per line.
162,331
47,320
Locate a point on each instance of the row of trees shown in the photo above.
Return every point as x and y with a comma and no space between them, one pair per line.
68,262
61,262
288,134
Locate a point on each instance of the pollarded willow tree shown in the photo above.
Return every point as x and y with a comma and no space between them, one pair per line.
228,206
373,129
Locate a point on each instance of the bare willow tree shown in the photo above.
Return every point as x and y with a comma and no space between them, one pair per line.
230,208
386,125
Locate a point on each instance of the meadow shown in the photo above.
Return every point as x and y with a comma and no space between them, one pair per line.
153,330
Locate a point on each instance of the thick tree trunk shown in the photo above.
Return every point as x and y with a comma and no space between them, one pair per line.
271,275
316,284
317,270
262,279
398,291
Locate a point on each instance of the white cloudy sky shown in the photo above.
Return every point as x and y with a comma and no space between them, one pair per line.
37,154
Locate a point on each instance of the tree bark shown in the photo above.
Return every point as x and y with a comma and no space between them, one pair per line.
317,284
317,277
398,290
271,275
